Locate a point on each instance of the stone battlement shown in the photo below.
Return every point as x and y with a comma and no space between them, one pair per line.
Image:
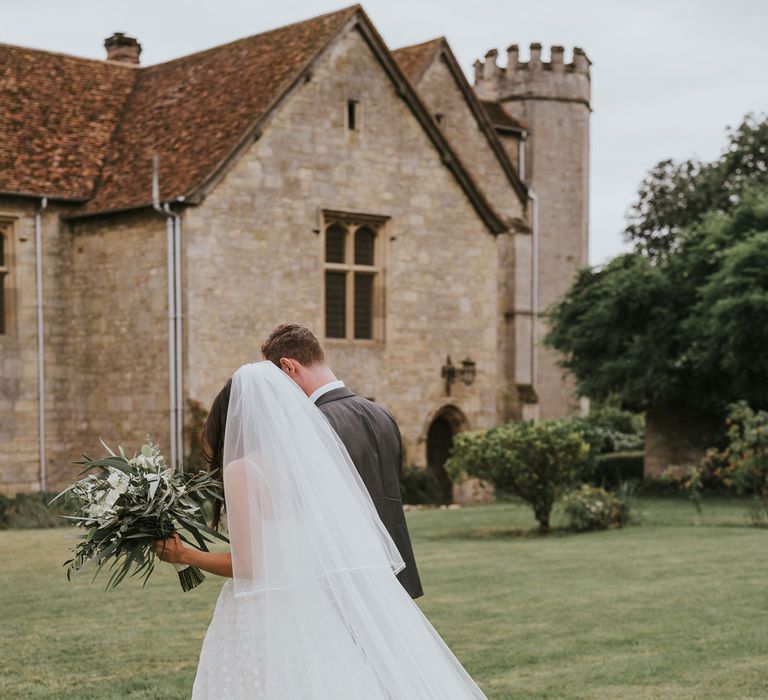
534,79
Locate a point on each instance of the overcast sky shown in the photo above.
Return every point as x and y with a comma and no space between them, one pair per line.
668,75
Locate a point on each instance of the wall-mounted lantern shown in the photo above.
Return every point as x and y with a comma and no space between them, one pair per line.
451,373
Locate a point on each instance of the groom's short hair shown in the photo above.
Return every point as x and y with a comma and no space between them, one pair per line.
294,341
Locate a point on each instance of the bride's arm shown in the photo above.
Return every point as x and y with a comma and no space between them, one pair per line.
174,551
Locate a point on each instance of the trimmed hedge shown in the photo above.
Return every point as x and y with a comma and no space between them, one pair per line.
614,468
418,487
30,510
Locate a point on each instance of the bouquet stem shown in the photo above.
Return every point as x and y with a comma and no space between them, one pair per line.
189,576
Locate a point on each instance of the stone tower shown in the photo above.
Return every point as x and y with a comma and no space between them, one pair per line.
551,102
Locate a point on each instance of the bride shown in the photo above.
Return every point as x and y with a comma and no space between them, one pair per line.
313,609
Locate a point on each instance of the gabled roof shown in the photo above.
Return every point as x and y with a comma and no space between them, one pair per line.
500,118
414,60
197,113
57,116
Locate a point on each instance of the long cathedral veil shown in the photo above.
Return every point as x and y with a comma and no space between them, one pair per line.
319,610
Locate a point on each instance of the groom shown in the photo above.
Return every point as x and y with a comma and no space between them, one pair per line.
368,431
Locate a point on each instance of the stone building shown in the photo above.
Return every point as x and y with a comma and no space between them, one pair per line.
157,222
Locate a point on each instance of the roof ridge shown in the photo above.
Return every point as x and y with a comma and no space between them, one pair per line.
135,66
406,47
62,54
349,9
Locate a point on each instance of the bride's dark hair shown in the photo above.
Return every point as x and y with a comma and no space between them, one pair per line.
212,439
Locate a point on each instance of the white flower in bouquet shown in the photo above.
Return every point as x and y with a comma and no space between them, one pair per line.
128,504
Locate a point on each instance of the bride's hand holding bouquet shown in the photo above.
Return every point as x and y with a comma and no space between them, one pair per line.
126,505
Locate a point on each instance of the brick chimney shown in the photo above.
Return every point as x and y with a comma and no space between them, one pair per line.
124,49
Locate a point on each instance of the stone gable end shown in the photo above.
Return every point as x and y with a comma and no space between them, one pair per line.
254,256
444,97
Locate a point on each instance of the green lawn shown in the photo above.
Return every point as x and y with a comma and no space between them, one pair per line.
673,608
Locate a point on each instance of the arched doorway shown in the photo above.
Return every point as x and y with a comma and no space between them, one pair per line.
444,426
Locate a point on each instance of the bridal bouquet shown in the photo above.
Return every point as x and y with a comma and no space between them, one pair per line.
125,504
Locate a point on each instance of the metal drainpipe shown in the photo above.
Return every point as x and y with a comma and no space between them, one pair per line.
171,276
179,362
534,285
171,340
40,340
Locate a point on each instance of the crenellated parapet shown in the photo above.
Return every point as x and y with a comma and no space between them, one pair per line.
534,79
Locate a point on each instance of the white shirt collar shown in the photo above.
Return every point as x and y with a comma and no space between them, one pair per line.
330,386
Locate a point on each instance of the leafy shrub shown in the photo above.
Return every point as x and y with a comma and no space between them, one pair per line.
594,508
615,468
30,510
418,486
537,461
610,429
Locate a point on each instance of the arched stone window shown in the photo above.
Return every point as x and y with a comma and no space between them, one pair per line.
353,279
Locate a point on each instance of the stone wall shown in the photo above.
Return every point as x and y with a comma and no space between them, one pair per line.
254,257
118,334
20,463
672,440
105,311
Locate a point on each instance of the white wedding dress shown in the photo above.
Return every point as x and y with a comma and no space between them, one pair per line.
314,611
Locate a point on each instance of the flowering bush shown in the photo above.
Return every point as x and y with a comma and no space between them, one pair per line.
129,503
593,508
747,456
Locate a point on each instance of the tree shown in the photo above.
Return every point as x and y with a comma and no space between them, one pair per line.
729,323
675,196
616,327
686,330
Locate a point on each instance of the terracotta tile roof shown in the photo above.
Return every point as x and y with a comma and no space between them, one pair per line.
413,60
500,117
82,129
194,111
57,115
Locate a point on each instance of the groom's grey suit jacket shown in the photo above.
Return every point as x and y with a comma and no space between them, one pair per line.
372,438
